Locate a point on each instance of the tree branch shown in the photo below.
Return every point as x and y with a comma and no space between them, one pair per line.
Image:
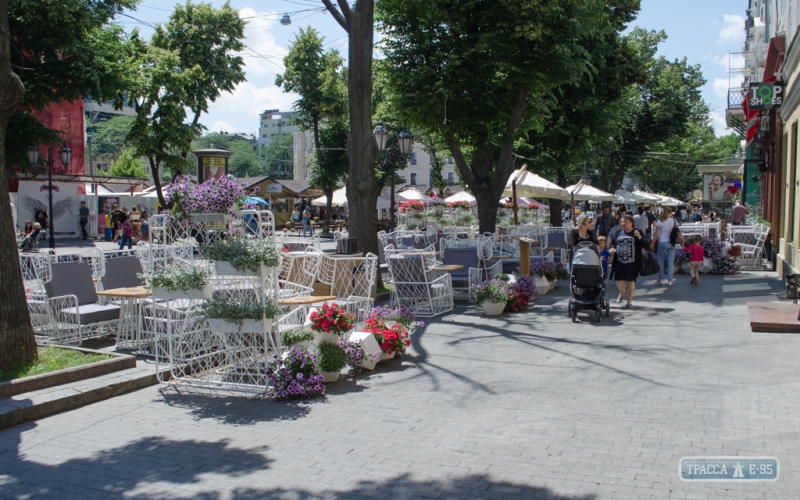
337,15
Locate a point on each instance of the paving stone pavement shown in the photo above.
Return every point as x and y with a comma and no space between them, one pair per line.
521,406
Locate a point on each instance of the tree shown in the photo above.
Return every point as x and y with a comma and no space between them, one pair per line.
279,156
495,67
314,75
127,165
110,136
362,186
329,162
45,66
188,63
244,161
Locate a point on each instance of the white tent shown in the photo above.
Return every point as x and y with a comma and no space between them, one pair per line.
462,196
410,195
531,185
143,194
649,197
583,192
339,199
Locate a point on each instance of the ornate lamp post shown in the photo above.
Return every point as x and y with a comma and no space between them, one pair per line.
402,149
52,167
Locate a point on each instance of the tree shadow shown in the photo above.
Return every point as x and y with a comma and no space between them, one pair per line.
235,409
114,473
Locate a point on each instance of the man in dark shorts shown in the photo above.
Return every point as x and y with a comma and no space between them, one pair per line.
83,213
116,215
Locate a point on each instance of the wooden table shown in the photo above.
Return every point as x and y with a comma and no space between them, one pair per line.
525,254
448,268
305,300
129,331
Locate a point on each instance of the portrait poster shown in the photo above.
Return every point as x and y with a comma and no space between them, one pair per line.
720,187
32,196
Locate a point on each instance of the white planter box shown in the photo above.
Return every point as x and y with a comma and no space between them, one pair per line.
707,266
370,346
385,356
542,286
224,268
161,293
493,308
329,377
320,337
248,326
686,267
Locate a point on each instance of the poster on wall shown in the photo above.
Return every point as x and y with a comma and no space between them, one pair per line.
32,197
720,187
213,168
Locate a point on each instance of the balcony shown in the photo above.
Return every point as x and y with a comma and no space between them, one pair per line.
734,114
736,98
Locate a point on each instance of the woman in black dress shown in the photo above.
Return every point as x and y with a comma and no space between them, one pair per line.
627,252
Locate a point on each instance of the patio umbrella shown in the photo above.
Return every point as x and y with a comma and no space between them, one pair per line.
339,198
521,202
531,185
255,199
583,192
462,196
644,196
412,195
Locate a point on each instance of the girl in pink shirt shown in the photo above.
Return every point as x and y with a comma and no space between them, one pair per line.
696,256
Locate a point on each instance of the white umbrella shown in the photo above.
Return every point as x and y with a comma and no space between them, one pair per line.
583,192
339,199
625,197
462,196
643,196
412,195
531,185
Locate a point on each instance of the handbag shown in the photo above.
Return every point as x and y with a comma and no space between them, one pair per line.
649,264
676,236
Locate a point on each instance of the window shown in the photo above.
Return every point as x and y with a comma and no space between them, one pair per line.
450,161
413,179
451,177
413,157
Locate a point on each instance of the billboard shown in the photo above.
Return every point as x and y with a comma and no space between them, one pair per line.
765,95
32,196
720,187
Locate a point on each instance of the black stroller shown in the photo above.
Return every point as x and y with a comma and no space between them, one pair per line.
586,282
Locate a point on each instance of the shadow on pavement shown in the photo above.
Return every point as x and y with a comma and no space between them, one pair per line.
236,410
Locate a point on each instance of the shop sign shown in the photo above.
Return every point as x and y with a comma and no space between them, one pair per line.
765,95
274,188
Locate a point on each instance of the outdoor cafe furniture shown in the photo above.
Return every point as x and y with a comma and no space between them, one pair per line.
467,268
751,239
73,306
129,329
298,271
416,285
346,275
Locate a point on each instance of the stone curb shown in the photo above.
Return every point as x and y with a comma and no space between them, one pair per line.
68,375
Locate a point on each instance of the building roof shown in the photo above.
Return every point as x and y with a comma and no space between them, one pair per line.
250,181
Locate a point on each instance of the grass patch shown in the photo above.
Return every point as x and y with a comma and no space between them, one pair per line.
384,288
50,360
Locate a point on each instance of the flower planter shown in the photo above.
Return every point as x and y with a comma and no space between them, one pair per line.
370,346
707,266
209,218
161,293
385,356
320,337
329,377
248,326
493,308
553,285
542,285
686,267
224,268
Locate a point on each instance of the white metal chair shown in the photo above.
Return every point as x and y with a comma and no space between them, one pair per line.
751,239
348,276
416,285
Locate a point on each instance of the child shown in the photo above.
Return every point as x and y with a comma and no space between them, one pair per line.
108,227
604,254
695,258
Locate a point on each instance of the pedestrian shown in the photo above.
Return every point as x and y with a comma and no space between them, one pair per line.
126,230
627,255
108,228
116,215
605,222
738,214
41,218
697,215
144,227
583,232
307,222
28,229
696,257
666,250
605,255
640,220
651,219
83,214
295,217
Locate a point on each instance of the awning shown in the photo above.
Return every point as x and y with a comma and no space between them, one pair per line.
584,192
531,185
461,197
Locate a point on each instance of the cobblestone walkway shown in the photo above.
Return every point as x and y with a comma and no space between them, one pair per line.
524,406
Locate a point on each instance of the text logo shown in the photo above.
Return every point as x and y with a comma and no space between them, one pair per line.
731,469
765,95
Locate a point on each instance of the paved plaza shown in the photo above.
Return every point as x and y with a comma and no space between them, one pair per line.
527,405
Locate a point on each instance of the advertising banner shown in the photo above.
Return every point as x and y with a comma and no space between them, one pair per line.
32,197
720,187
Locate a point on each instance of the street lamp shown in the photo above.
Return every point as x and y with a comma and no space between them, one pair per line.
286,20
52,167
405,141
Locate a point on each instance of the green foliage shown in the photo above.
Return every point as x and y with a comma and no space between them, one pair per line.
332,358
279,156
243,254
236,311
244,160
296,335
329,163
111,135
177,277
128,165
51,359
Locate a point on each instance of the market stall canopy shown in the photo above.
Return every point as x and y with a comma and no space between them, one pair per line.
462,196
626,197
650,197
339,199
583,192
144,194
531,185
412,195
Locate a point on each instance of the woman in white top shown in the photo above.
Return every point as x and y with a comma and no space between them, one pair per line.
666,250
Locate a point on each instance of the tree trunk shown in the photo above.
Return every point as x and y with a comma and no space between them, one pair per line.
326,224
17,343
362,188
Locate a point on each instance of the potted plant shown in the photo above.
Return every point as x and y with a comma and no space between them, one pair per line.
241,257
332,359
464,205
492,295
524,290
547,273
204,202
392,327
230,315
296,375
362,351
179,282
329,323
297,337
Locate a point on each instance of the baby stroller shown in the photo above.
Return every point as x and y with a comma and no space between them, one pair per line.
586,282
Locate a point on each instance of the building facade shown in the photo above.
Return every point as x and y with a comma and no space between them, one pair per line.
273,122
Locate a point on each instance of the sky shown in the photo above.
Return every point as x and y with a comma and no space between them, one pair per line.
703,31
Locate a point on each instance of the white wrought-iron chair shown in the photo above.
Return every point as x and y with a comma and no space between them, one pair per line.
348,276
416,285
755,238
297,274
